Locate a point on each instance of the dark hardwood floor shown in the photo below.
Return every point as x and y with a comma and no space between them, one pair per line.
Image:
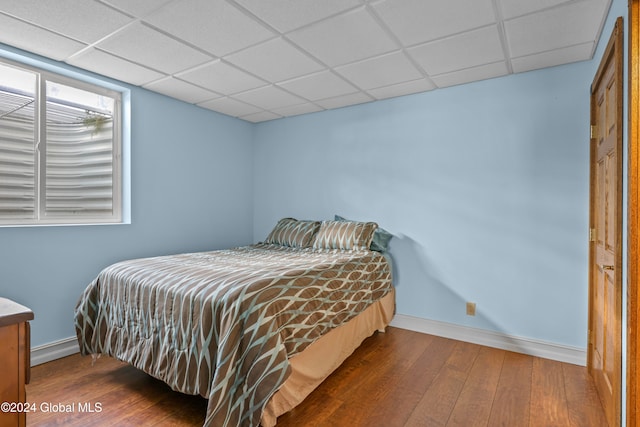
399,378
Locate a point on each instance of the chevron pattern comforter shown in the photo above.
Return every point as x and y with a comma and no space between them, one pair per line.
223,324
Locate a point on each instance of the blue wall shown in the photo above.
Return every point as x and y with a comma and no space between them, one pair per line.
485,187
191,190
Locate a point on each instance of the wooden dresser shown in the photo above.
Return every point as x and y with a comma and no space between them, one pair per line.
15,363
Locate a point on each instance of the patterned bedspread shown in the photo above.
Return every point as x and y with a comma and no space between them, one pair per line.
223,324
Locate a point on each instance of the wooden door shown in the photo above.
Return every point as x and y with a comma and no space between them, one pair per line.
605,278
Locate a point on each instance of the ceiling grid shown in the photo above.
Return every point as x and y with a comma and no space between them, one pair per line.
266,59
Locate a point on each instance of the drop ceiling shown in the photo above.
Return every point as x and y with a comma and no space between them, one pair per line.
261,60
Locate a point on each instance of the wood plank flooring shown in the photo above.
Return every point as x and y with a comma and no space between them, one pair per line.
396,379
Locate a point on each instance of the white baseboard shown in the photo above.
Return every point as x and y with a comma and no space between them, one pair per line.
577,356
546,350
55,350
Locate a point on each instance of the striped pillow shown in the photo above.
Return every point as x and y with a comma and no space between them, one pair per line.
381,237
344,235
293,233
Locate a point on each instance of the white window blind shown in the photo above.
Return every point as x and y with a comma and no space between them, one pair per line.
59,149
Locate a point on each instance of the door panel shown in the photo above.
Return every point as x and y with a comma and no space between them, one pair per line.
605,296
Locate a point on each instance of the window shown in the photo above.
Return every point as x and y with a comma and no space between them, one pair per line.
60,145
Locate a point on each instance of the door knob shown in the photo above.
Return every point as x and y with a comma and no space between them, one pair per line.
606,267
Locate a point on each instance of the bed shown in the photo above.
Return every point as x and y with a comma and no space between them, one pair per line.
253,329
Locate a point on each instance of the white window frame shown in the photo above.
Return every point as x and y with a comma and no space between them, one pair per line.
40,134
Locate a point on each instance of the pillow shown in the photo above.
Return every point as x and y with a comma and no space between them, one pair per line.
293,233
344,235
381,237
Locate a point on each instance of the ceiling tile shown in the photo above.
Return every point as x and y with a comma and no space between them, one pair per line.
275,60
552,58
221,77
213,25
406,88
461,51
286,15
345,38
230,107
345,100
572,24
144,45
512,8
319,85
418,21
137,8
263,116
482,72
269,97
34,39
112,66
184,91
83,20
380,71
295,110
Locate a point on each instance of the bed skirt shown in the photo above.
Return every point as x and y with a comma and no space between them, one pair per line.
313,365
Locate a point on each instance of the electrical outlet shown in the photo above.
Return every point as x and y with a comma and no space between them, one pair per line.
471,309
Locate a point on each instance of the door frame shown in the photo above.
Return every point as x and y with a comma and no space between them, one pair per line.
633,218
